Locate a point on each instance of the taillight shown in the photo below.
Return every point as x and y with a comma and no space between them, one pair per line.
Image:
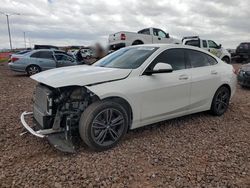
123,36
13,59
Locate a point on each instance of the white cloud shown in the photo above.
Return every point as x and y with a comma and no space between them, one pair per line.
65,22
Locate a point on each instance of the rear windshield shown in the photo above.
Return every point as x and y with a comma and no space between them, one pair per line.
23,52
195,43
127,58
245,45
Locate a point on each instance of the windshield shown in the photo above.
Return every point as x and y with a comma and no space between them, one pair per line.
127,58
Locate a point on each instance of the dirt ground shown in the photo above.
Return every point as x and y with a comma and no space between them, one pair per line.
193,151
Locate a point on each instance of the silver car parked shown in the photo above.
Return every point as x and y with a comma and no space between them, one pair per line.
40,60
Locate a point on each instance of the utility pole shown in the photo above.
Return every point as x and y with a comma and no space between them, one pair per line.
24,39
8,24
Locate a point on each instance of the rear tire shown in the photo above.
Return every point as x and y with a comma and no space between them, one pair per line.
220,101
33,69
103,124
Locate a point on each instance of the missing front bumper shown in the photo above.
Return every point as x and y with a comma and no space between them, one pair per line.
55,137
40,133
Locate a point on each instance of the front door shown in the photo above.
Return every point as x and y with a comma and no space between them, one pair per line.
165,95
214,48
63,60
160,36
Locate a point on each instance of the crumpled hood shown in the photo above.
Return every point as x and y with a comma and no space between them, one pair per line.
80,75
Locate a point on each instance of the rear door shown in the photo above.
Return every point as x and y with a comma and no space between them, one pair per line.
205,79
160,36
44,59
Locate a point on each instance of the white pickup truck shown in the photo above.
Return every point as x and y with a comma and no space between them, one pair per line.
208,45
144,36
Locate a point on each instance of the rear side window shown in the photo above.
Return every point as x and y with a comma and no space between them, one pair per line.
204,43
211,60
200,59
174,57
145,32
195,43
43,54
62,57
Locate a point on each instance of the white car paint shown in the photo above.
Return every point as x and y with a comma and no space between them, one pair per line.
150,38
79,75
206,45
152,98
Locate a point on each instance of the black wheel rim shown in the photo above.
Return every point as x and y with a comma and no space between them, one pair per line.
107,127
222,101
33,70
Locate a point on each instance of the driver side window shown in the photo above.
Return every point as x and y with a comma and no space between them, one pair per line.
174,57
159,33
62,57
212,44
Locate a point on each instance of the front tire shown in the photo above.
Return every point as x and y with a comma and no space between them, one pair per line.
103,124
226,60
220,101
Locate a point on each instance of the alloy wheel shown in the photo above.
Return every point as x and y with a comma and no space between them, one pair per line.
222,101
33,70
107,126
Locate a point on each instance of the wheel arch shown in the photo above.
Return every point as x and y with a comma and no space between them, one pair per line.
125,104
226,56
138,41
224,85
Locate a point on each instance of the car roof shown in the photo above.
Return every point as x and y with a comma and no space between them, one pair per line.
39,50
170,46
245,43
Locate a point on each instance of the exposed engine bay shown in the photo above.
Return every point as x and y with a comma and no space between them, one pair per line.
58,111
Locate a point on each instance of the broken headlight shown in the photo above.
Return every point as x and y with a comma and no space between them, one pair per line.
78,94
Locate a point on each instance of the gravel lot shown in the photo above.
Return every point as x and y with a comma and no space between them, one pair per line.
193,151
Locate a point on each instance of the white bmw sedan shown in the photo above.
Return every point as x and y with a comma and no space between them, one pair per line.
130,88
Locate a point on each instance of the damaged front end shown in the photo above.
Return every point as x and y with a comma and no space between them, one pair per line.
57,112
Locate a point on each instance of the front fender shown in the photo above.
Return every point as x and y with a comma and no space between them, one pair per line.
104,91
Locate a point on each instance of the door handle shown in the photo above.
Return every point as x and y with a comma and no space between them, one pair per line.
214,72
183,77
159,38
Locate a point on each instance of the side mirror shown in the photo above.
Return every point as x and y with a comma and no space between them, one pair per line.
219,47
167,35
160,68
